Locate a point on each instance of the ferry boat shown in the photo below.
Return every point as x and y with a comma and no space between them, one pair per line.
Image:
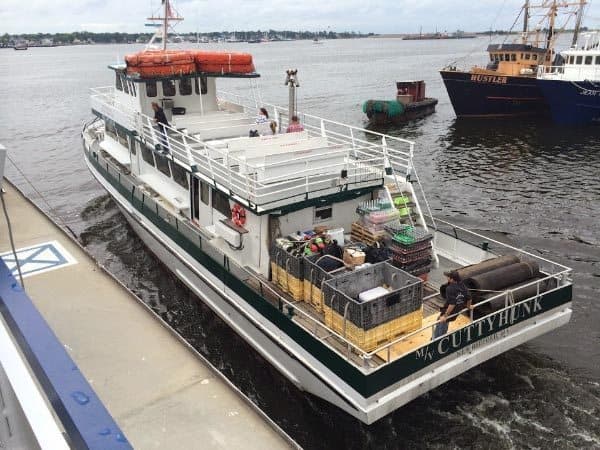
507,86
318,246
573,89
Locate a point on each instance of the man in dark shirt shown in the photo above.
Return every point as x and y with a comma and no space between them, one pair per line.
161,120
457,298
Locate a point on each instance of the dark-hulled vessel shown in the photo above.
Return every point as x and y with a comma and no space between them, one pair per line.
507,86
410,104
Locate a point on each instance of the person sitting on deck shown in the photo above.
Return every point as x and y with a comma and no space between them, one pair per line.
457,297
295,125
161,120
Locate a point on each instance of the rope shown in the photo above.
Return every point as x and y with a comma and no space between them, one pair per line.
12,242
50,208
476,46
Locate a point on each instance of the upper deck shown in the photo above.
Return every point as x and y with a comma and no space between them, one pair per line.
271,171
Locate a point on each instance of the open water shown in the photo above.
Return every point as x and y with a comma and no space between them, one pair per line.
530,183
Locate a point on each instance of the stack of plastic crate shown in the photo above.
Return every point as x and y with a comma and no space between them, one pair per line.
411,248
374,215
315,276
287,269
369,324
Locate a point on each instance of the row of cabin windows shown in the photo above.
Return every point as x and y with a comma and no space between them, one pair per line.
589,60
124,85
169,87
166,167
513,56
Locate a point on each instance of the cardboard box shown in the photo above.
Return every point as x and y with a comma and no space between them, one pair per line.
353,257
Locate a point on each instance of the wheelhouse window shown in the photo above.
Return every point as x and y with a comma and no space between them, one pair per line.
118,82
179,175
571,59
597,60
185,86
527,56
151,89
588,60
534,56
147,155
220,202
168,87
201,85
513,56
322,213
507,56
579,59
162,164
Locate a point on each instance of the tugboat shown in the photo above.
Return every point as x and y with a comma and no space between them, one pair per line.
507,86
410,104
317,246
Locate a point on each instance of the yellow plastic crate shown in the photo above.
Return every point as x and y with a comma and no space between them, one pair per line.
274,272
295,287
371,339
313,295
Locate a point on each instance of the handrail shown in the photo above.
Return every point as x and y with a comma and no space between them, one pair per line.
365,162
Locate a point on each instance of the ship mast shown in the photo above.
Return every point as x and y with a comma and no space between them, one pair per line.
525,21
162,33
578,22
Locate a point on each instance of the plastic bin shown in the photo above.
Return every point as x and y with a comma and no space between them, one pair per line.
405,295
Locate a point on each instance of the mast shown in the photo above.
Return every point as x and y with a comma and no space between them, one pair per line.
165,24
525,18
550,37
578,22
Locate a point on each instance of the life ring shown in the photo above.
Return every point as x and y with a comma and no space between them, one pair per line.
238,215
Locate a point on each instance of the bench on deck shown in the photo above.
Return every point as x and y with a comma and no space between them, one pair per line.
178,197
116,150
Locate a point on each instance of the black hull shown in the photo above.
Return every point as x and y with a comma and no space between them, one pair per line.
477,95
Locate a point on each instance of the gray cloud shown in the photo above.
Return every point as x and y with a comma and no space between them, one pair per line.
388,16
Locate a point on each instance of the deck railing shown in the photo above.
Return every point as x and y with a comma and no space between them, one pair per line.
363,158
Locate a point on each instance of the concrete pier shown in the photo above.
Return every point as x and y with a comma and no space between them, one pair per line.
157,389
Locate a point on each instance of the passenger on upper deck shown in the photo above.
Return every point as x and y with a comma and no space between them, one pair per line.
161,120
457,297
294,125
263,116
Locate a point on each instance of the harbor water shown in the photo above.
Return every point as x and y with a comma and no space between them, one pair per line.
525,182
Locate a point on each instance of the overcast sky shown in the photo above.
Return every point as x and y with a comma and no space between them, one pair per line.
383,16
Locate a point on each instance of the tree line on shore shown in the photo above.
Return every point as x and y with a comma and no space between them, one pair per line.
121,38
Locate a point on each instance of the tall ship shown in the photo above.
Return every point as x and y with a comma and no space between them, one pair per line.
507,86
312,239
